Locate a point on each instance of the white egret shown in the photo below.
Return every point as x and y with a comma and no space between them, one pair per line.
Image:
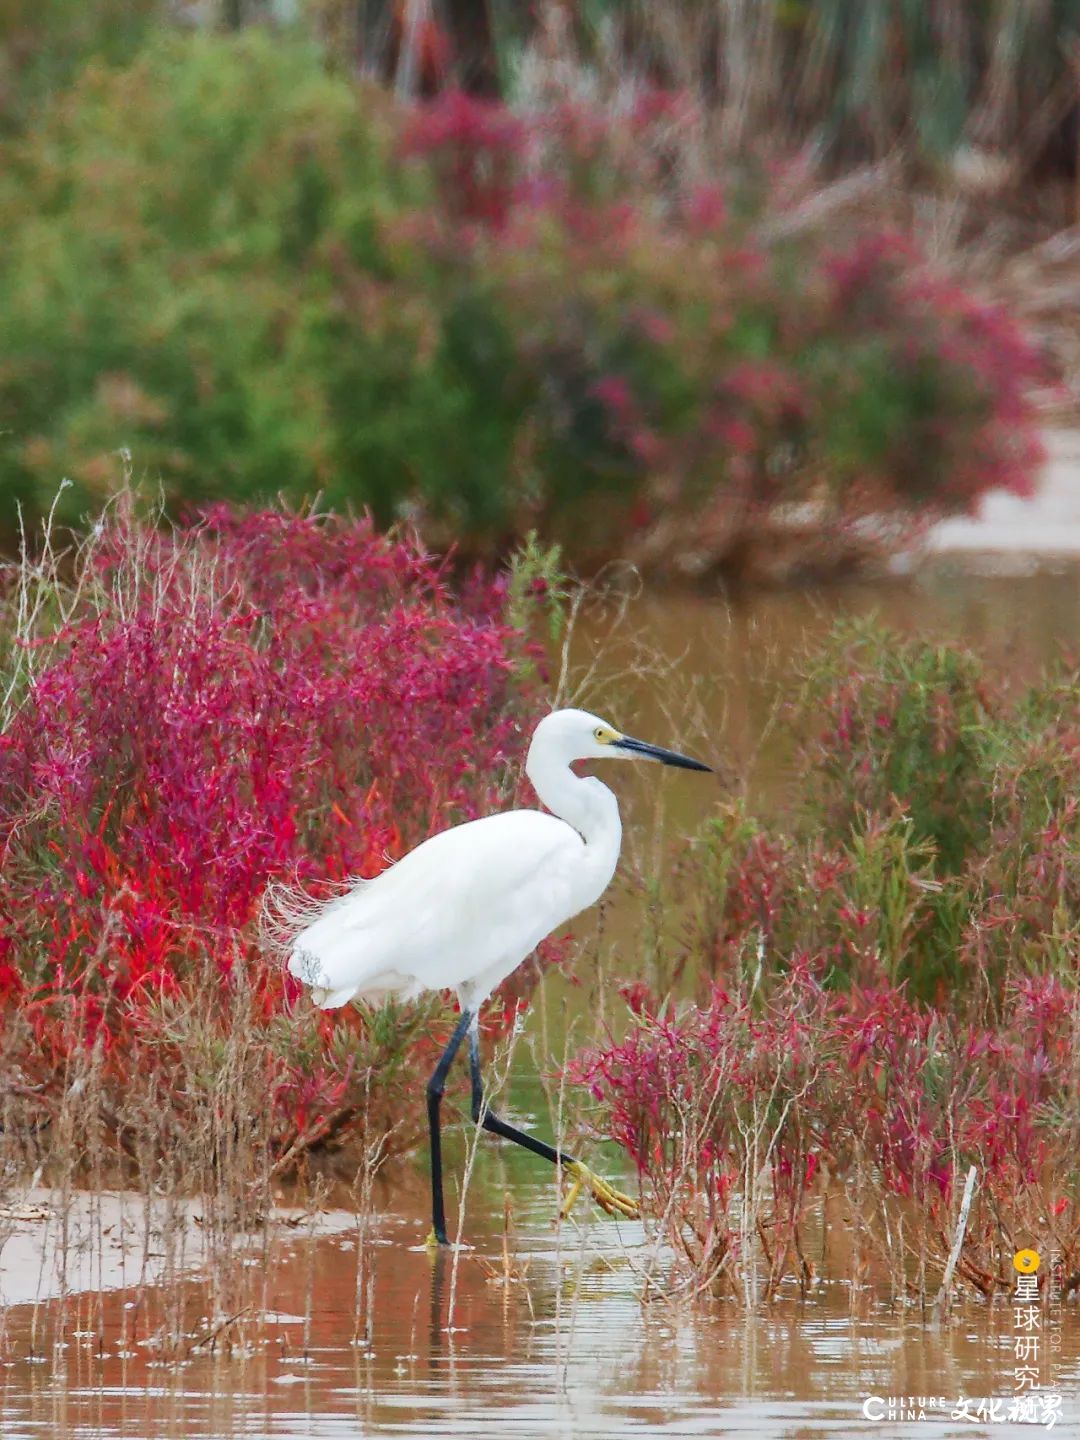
465,908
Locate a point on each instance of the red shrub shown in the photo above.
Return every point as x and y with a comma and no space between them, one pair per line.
897,1098
252,696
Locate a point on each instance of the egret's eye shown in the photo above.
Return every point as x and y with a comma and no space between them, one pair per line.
600,733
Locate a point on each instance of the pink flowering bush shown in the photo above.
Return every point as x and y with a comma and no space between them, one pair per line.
490,322
248,697
888,989
698,394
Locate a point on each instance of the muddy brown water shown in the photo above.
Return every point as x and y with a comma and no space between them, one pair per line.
560,1342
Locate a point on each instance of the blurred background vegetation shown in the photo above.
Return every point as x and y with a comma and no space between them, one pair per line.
674,282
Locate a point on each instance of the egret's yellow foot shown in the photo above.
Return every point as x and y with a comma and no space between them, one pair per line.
605,1194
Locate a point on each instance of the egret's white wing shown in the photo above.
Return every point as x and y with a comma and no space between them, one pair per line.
465,906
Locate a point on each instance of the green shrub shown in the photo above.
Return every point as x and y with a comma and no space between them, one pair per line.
171,285
46,42
898,718
934,839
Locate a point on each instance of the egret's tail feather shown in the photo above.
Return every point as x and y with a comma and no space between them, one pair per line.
288,910
334,942
332,999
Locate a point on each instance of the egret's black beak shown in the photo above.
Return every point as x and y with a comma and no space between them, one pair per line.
657,752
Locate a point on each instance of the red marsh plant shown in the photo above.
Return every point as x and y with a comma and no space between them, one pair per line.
752,1118
887,988
924,1094
192,713
715,1104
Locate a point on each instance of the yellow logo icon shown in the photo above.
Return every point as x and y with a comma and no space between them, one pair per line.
1026,1262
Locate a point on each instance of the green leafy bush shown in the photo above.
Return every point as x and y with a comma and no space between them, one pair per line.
899,718
46,42
934,840
258,279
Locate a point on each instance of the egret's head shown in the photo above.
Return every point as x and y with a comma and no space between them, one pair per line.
568,735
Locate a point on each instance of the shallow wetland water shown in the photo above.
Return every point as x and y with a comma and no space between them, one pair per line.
556,1342
558,1345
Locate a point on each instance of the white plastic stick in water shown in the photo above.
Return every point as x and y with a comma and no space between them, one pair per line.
957,1245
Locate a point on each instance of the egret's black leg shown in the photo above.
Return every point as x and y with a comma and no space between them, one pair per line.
435,1087
491,1122
605,1195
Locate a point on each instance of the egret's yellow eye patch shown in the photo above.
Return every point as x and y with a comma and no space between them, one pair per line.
604,735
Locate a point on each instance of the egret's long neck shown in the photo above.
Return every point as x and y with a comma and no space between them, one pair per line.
586,804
